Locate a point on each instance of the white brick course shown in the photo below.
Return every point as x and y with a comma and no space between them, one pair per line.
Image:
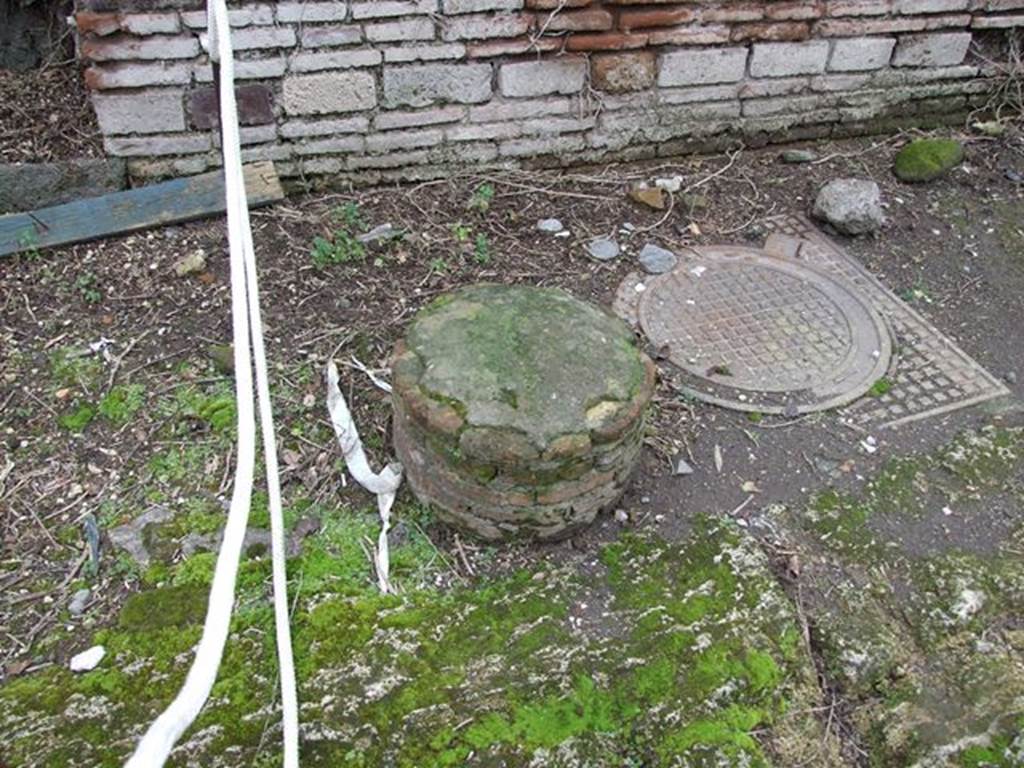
515,110
386,121
392,140
426,84
237,17
563,75
455,7
253,38
311,12
157,111
326,37
388,8
784,59
329,92
860,54
942,49
485,27
425,52
541,146
333,145
702,66
395,31
315,62
246,69
186,144
294,129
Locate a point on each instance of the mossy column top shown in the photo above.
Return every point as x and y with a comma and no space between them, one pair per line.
511,379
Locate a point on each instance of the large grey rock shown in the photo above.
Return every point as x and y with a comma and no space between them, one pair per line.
27,186
852,206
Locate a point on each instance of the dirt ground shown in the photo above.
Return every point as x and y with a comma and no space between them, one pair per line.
46,115
116,400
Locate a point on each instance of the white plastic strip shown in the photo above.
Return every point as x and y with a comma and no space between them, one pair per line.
384,485
247,327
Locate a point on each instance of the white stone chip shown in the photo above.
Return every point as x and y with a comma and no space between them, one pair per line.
87,660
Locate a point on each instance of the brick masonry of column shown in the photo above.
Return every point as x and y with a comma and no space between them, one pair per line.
409,89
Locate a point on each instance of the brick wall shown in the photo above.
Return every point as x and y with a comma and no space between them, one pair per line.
373,91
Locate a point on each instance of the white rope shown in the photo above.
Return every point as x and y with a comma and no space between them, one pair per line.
384,485
247,327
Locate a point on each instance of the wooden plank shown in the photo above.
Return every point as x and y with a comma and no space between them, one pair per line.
167,202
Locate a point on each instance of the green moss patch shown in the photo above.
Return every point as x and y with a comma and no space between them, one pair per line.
668,654
924,641
927,159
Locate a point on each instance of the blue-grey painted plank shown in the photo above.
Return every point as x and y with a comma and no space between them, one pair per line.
170,201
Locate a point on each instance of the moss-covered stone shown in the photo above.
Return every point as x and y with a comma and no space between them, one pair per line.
670,654
921,638
927,159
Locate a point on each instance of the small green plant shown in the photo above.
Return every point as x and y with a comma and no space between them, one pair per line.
77,420
880,387
438,266
28,241
482,249
122,403
917,292
341,246
461,232
349,216
480,200
87,286
755,417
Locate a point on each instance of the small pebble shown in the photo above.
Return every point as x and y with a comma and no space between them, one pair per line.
550,225
656,260
87,660
682,467
798,156
603,249
79,601
645,499
621,516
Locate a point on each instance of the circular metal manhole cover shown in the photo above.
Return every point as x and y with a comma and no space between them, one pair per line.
756,333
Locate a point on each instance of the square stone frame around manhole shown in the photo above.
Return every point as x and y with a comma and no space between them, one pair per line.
930,375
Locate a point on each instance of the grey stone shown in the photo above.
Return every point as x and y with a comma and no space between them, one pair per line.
130,536
27,186
79,601
852,206
421,86
329,92
155,111
210,542
860,54
603,249
786,59
550,225
702,67
943,49
380,234
541,78
190,264
655,260
682,467
798,156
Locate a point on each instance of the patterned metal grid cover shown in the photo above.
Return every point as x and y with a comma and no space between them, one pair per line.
757,333
930,375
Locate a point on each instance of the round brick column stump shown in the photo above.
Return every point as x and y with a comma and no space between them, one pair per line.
518,411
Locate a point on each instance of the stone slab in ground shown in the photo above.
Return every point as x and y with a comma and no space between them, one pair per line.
915,589
653,654
27,186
